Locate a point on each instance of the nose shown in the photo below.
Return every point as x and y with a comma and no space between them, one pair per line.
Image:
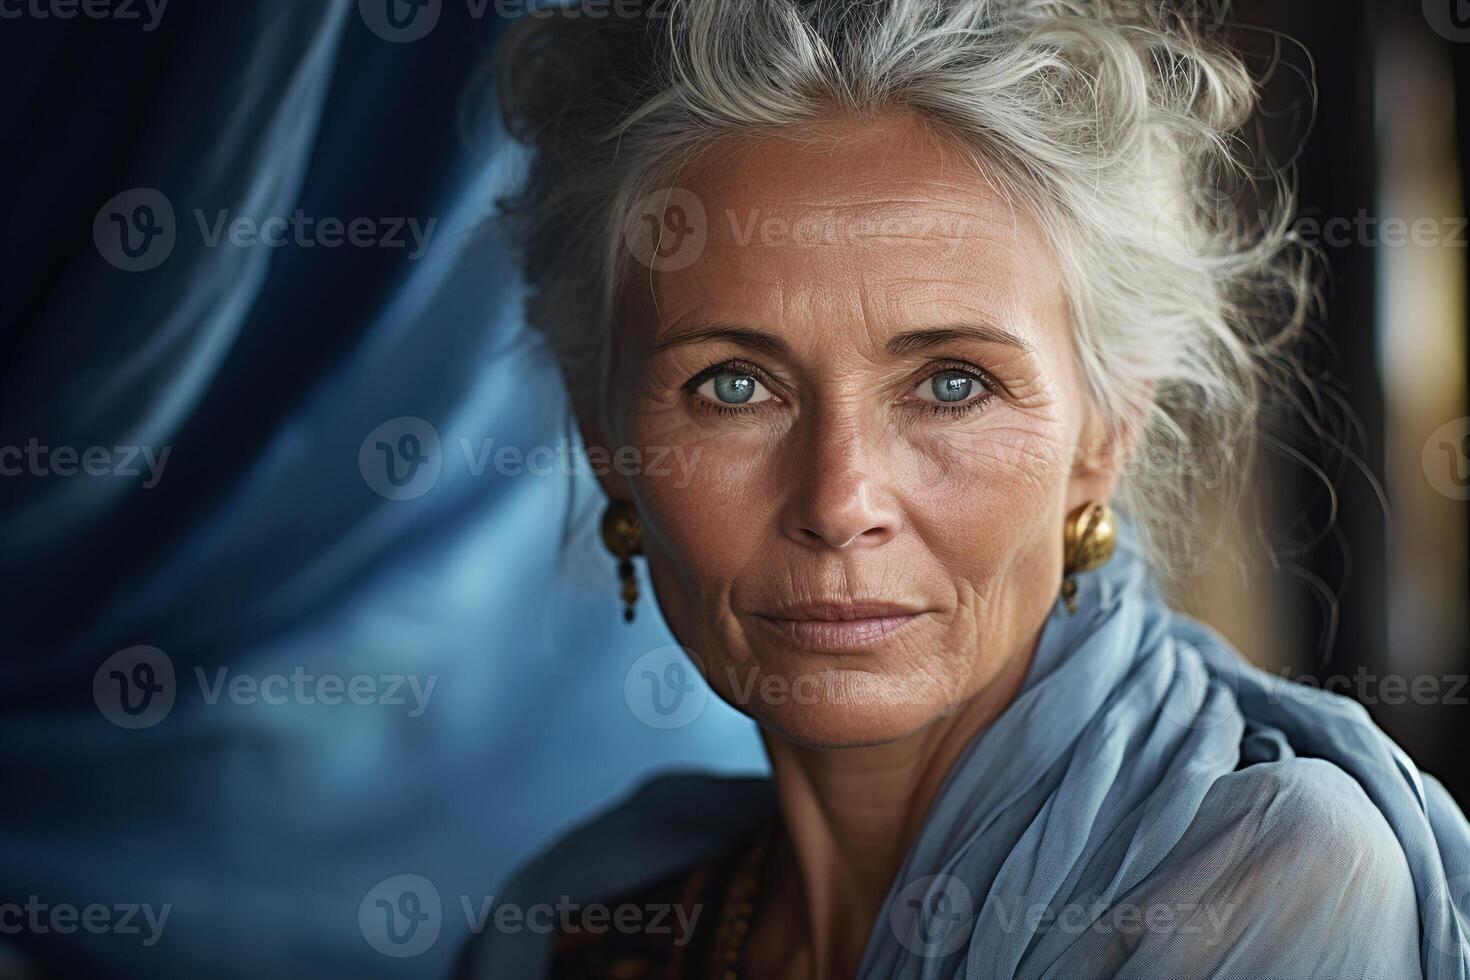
840,496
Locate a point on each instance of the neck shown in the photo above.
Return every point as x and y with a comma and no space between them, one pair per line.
850,816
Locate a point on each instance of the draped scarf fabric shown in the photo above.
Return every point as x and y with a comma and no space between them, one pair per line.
1153,806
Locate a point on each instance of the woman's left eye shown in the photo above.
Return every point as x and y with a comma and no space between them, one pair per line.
951,389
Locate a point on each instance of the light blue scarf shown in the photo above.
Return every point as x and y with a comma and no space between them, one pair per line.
1150,806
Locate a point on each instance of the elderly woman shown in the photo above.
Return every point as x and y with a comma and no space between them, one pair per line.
930,294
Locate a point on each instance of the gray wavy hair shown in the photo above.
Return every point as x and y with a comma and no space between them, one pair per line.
1119,125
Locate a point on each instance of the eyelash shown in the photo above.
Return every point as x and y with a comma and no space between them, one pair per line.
745,367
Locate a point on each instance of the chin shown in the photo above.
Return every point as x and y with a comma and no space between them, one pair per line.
839,707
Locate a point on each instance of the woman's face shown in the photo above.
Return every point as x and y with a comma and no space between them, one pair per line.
868,367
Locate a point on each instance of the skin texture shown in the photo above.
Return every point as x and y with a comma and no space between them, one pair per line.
840,482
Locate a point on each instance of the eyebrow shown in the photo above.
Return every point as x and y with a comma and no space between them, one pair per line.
912,341
758,340
908,342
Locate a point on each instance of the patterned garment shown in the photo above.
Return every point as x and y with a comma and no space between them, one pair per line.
676,922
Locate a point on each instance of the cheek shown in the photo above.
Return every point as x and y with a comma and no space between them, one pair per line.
709,523
977,494
990,515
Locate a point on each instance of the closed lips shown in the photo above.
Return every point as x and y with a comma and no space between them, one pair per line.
833,627
841,612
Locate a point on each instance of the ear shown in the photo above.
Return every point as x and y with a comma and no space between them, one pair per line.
1101,456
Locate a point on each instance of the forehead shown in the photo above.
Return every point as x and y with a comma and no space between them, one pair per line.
881,220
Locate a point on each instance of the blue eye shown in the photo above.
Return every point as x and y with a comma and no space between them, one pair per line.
733,388
948,387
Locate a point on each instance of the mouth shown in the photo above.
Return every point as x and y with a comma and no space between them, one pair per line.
839,627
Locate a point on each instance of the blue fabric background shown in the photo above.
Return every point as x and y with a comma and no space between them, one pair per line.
264,547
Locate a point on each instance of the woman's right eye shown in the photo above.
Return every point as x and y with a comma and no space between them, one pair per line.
733,388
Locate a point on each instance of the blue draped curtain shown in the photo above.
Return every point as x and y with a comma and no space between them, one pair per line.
244,387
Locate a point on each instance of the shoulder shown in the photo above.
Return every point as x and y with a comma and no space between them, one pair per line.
1289,866
1303,822
1309,807
666,825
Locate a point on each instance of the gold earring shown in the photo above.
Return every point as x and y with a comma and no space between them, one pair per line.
622,532
1088,543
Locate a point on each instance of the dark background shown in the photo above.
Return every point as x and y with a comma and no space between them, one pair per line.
1365,551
